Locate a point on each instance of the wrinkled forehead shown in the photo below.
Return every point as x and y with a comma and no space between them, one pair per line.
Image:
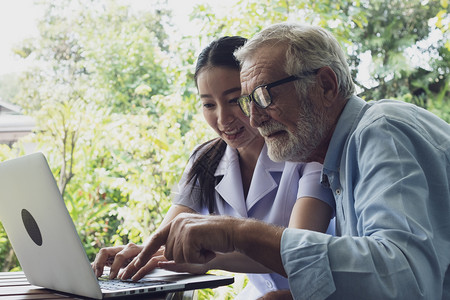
265,65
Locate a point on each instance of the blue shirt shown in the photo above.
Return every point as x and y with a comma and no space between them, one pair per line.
388,166
274,189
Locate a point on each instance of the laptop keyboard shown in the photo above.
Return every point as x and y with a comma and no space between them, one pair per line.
116,284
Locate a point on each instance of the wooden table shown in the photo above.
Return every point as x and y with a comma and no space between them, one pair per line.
14,286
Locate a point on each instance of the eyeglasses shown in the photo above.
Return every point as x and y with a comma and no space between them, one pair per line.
261,94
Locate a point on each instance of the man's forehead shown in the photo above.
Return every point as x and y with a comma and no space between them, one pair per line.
266,56
264,64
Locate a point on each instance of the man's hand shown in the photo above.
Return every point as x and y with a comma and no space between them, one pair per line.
190,268
195,239
189,238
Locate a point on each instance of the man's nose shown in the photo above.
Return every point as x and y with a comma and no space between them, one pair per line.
257,115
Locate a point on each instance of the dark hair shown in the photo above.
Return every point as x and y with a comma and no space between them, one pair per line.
218,53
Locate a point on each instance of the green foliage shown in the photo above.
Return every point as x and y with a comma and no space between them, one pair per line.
394,38
8,261
228,292
250,16
9,85
127,58
116,108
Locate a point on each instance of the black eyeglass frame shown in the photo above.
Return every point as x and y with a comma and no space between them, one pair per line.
267,87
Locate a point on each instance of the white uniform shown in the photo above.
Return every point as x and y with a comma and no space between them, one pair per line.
274,189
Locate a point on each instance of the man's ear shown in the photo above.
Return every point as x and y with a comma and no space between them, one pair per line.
327,86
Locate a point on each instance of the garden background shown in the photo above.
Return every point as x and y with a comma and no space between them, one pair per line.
112,94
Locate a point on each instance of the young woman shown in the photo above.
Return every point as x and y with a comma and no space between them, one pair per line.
233,175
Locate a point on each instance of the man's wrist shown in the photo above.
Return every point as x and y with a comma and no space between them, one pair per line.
259,241
244,233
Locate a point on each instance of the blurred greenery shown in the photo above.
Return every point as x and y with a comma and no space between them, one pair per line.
116,108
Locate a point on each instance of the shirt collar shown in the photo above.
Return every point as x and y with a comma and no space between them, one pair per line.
267,163
231,156
348,119
230,187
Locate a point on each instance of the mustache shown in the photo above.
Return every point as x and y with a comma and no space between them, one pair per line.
270,127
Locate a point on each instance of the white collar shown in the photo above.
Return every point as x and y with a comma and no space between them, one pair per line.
230,187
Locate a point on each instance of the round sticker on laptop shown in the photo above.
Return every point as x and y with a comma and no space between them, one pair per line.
31,227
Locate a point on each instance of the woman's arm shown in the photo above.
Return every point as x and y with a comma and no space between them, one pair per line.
310,213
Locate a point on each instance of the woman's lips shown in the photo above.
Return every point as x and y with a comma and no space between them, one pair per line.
233,134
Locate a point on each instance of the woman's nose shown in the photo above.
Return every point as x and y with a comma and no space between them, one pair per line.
257,115
226,116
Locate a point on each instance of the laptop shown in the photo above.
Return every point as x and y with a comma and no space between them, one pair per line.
47,244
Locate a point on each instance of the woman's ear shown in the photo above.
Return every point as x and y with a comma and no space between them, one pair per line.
328,86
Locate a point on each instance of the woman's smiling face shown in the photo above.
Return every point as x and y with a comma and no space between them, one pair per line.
219,89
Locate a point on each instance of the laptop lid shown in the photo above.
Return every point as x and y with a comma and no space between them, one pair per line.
45,239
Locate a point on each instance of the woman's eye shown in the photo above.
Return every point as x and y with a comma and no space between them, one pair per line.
233,101
208,105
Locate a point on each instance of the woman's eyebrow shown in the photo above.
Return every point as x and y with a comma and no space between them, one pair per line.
205,96
226,92
232,90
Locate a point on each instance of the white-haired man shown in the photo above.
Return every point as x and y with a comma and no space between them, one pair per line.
387,163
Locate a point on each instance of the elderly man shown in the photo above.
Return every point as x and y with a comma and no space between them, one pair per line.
387,163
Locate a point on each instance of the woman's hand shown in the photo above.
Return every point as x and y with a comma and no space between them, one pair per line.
152,263
115,257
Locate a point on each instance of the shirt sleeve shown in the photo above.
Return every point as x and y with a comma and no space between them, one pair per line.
309,184
395,203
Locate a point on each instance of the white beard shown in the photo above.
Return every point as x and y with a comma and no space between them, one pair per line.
298,146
